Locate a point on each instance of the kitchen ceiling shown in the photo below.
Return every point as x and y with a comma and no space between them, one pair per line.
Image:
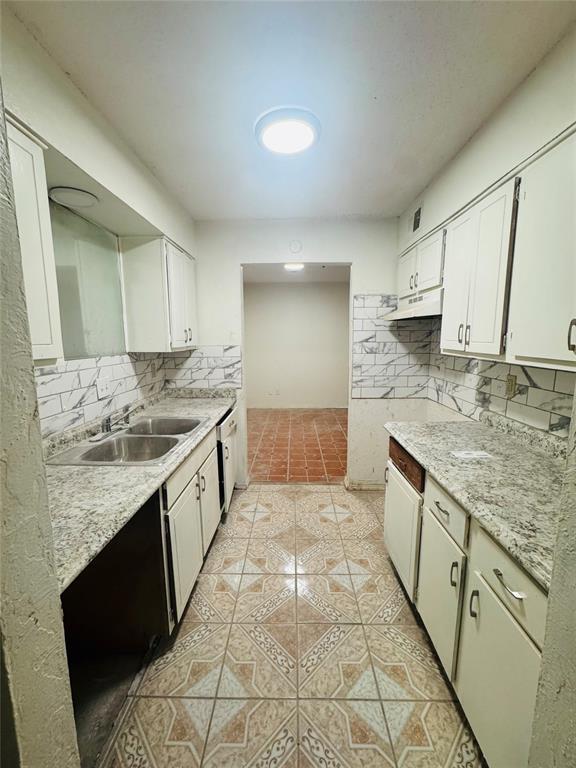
312,273
398,87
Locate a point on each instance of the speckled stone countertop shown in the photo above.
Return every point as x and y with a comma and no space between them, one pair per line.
89,505
513,494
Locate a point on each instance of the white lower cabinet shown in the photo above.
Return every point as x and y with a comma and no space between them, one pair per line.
209,498
497,677
440,584
185,545
402,527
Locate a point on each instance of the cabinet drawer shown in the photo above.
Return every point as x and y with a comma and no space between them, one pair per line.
448,511
488,559
228,425
186,471
407,465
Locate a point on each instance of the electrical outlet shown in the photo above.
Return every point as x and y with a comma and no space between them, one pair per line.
103,388
511,385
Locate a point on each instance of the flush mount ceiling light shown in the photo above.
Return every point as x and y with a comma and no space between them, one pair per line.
287,130
72,198
293,267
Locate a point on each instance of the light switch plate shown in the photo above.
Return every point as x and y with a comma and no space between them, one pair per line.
103,387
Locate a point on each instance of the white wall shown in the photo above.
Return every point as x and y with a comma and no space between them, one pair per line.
541,108
296,345
223,246
40,94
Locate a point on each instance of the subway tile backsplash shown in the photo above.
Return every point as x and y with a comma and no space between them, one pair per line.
68,394
392,359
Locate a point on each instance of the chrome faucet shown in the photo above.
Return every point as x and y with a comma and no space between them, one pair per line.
108,422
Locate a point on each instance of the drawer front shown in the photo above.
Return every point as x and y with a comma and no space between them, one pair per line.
407,465
189,467
499,570
448,511
228,426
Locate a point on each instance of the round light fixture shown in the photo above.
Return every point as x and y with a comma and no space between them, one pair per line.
72,198
293,267
287,130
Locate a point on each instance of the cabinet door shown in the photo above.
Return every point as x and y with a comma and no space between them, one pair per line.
185,544
497,677
209,498
458,260
406,272
230,465
177,295
402,527
190,284
440,581
36,247
429,263
543,297
489,277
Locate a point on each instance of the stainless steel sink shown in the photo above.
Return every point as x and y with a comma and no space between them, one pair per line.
163,426
121,449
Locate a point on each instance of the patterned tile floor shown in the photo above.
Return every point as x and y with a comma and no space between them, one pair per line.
297,445
298,648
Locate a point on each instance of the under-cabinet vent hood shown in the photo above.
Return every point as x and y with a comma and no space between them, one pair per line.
422,305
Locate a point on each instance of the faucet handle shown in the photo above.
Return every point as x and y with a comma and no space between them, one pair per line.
106,424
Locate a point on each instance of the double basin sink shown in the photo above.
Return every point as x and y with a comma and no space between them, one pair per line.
147,441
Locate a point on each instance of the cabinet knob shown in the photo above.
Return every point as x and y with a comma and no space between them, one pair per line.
571,344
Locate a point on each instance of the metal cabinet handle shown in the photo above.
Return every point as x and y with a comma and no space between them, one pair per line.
386,472
226,452
460,329
197,491
189,334
467,335
411,282
416,280
185,335
454,581
571,345
472,612
514,593
441,509
203,480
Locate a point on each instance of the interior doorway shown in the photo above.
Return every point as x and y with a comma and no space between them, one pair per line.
296,367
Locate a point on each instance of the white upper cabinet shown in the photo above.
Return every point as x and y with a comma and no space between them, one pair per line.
35,235
543,298
429,262
159,281
476,278
406,272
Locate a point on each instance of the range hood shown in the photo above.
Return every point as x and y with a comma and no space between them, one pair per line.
422,305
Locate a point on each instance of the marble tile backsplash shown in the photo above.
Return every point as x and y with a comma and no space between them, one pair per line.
68,394
394,359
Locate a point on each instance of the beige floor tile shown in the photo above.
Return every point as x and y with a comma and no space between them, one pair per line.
275,555
271,524
252,733
260,662
266,598
189,665
276,501
325,556
226,556
404,664
347,734
236,525
367,557
318,503
213,598
334,662
430,735
243,501
381,599
361,526
317,525
159,732
322,598
368,502
300,493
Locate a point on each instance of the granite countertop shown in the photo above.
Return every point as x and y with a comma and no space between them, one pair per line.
89,505
513,494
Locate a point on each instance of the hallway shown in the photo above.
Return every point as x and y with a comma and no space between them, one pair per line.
298,648
297,445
